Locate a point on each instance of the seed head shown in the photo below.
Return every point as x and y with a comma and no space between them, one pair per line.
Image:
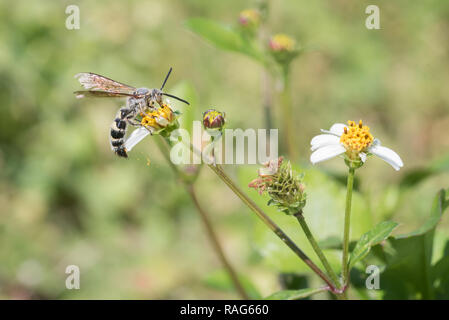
286,190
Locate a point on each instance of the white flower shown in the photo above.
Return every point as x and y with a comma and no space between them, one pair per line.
355,141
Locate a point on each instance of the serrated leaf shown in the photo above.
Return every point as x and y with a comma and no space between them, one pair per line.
376,235
223,37
295,294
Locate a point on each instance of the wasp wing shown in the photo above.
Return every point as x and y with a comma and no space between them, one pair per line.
96,83
101,94
135,137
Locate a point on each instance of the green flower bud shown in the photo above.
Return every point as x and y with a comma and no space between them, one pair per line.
249,21
249,18
283,48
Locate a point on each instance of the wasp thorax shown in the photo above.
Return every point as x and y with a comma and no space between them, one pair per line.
142,91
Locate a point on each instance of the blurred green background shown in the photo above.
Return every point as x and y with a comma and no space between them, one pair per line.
65,198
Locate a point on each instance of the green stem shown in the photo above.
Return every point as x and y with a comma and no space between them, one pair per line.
205,218
216,168
273,226
216,243
317,248
345,271
287,114
266,79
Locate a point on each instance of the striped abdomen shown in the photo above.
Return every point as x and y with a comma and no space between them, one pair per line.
118,131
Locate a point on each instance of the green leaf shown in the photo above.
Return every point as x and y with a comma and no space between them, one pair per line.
440,275
408,273
293,281
333,242
324,213
220,280
439,205
295,294
415,176
376,235
223,37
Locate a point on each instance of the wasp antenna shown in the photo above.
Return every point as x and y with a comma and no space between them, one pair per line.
175,97
166,78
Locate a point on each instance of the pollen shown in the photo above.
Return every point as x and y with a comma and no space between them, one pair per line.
212,115
166,112
356,137
151,119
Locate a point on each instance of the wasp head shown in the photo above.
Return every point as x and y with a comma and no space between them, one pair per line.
154,97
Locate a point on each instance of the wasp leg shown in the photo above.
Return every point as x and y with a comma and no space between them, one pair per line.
134,122
138,124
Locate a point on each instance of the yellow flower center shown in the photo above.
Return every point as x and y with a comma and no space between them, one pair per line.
150,119
212,115
356,137
166,112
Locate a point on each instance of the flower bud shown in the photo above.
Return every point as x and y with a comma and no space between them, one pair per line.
285,190
213,119
249,18
283,48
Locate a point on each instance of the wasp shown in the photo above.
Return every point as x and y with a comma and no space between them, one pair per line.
139,102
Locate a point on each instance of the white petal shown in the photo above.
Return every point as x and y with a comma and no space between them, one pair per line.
324,140
162,121
376,142
337,129
362,156
135,137
387,155
326,153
